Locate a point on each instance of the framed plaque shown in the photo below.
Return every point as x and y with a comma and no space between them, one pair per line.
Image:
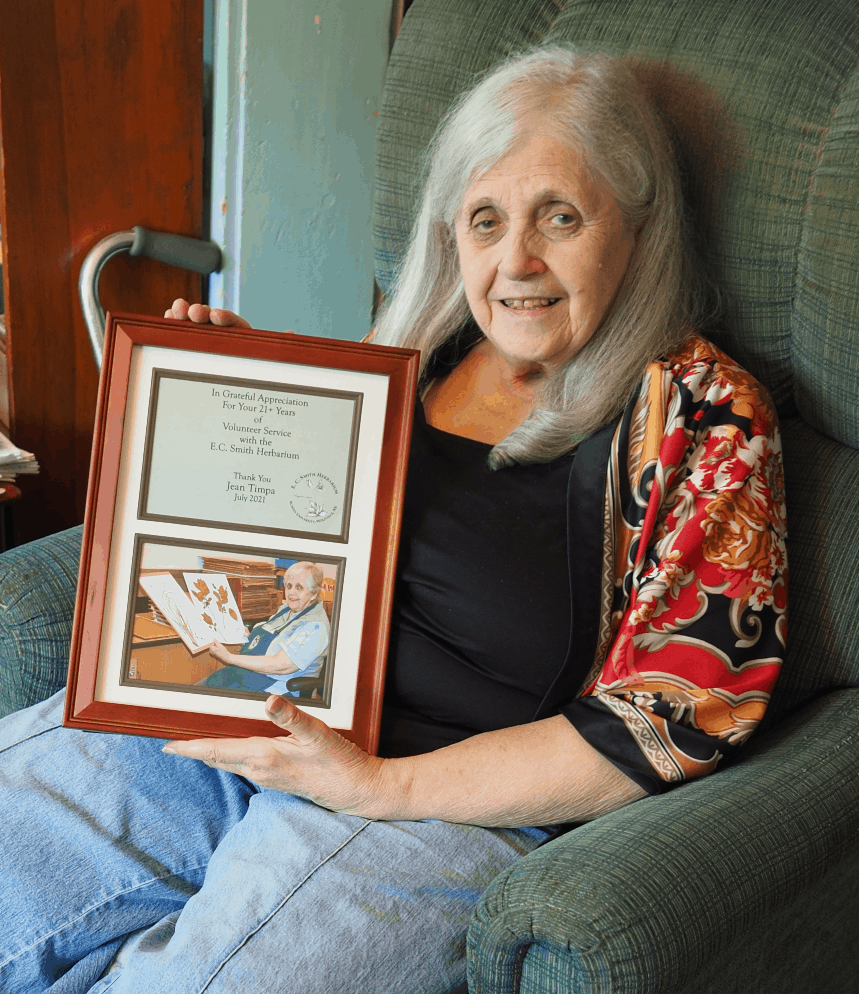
241,530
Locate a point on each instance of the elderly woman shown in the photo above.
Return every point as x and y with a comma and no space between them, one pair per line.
293,642
589,608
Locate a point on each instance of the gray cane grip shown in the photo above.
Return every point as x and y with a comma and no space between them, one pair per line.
176,250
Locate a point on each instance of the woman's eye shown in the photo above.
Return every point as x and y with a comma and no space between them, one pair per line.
483,221
562,220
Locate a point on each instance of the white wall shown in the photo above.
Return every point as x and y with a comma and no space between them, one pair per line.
297,84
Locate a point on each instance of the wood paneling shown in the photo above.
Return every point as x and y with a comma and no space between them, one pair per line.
101,129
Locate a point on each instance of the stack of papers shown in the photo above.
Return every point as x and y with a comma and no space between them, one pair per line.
14,460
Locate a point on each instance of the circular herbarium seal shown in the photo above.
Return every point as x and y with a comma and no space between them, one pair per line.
314,498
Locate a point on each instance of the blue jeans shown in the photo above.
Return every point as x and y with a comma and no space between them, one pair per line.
235,887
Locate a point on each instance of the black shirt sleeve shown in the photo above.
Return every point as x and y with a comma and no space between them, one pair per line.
606,732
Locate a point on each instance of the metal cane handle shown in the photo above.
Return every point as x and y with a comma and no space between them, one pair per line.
176,250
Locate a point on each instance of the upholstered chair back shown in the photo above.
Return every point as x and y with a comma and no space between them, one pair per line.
763,98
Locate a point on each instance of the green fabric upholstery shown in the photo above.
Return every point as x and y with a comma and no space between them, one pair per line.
37,601
826,308
822,485
686,891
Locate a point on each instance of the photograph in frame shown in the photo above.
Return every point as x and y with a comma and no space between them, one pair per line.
236,622
168,639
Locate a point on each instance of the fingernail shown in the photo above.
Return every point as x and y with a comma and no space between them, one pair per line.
274,705
169,749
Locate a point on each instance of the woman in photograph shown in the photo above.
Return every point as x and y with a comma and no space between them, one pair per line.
590,599
292,643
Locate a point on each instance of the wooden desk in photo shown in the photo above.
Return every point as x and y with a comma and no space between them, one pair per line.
159,655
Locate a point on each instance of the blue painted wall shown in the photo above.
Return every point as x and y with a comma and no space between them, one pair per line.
297,84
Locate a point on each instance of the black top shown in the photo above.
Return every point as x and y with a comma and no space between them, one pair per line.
482,616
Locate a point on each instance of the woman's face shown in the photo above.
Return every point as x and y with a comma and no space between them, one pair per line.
298,594
542,249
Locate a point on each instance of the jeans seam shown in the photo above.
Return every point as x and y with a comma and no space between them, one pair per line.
34,735
93,907
281,903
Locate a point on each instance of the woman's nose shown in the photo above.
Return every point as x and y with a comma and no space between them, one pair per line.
521,256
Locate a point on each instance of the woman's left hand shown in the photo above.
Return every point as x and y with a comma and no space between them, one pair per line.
312,760
181,310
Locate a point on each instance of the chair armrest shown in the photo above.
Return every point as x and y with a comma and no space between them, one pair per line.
306,685
639,900
37,601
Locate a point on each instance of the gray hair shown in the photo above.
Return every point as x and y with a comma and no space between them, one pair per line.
596,106
312,573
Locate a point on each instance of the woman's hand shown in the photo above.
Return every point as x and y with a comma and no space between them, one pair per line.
203,314
217,650
312,760
542,773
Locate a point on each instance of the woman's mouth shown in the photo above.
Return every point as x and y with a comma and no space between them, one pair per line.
528,303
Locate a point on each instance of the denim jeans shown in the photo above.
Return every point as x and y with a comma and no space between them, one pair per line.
235,888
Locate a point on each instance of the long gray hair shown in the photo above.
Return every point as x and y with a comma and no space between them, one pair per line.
596,106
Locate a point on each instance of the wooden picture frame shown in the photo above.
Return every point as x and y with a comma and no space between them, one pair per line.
229,463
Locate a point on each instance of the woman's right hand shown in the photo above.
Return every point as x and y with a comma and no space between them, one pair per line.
220,652
181,310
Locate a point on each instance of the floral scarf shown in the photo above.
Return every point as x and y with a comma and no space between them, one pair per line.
693,604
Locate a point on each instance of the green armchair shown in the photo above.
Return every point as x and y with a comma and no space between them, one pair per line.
747,880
